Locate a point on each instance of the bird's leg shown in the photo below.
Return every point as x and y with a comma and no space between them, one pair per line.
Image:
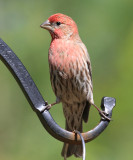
102,113
48,106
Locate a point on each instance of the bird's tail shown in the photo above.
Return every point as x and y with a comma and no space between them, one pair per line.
70,149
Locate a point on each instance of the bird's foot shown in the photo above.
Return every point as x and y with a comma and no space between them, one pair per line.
48,106
104,115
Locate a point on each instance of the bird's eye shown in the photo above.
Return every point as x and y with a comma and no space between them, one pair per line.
58,23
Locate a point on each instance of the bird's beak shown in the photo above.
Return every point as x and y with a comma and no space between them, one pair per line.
46,25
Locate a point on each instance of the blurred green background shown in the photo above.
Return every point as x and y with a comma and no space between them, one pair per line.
106,28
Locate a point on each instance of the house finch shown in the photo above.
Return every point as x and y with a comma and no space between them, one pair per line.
70,74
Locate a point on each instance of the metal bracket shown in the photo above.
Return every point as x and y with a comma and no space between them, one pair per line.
37,102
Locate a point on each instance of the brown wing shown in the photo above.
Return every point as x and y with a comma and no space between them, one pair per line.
86,112
87,107
89,68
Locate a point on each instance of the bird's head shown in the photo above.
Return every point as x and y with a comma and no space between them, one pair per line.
60,26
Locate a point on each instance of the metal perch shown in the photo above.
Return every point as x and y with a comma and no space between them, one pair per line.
37,102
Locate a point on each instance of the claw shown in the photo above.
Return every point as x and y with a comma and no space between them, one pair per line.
104,115
48,107
46,103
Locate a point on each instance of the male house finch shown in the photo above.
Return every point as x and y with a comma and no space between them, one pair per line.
70,74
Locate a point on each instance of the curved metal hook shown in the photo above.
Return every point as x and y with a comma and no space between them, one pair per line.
37,102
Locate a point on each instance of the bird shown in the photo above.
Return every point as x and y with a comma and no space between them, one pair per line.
70,75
